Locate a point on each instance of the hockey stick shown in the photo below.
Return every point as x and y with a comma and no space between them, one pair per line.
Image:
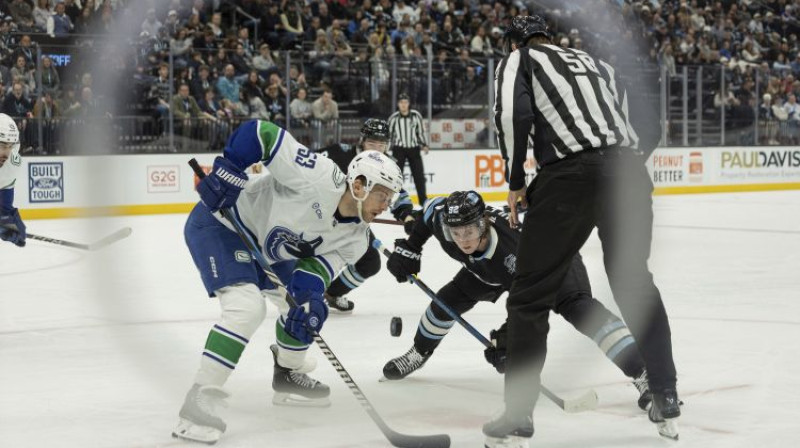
585,402
99,244
395,438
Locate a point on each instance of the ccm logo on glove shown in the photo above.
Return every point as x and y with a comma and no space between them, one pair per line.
408,254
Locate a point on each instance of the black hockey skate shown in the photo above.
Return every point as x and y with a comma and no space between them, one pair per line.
296,389
508,431
664,412
645,397
339,304
400,367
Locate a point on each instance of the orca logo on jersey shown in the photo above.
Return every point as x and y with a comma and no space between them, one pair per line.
511,263
283,244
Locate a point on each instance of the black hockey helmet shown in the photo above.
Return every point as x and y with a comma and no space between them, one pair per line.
523,28
375,129
462,209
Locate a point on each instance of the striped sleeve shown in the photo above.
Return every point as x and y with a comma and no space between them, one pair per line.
420,129
513,116
313,275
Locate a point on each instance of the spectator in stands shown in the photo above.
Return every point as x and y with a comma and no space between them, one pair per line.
51,82
151,24
243,37
181,43
27,50
69,104
90,107
323,52
276,105
301,110
793,119
219,61
60,24
402,10
264,62
450,37
796,64
17,104
361,34
240,62
292,25
325,18
186,112
172,24
227,85
254,85
21,72
160,92
72,9
22,13
481,45
45,108
201,83
41,15
325,109
85,24
252,106
216,25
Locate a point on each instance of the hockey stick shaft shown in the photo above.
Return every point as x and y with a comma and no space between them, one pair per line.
560,402
114,237
397,439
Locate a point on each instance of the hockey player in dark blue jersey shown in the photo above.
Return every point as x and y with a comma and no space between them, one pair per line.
481,239
374,137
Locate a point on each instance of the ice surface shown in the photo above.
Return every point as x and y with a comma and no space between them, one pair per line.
98,349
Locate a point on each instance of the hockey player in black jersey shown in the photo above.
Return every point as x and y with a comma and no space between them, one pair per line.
374,137
481,239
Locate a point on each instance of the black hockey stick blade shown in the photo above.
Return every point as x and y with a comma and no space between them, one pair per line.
407,441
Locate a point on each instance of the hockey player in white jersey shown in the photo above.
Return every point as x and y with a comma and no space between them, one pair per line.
310,221
12,229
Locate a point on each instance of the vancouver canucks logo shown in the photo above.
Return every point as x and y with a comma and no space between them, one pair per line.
16,160
283,244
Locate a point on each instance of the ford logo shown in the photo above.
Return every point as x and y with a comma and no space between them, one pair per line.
46,182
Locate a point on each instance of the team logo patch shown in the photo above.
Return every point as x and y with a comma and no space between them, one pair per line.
338,177
511,263
46,182
16,160
313,322
283,244
242,256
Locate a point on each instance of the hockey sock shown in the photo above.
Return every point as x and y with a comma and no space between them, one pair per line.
222,352
291,352
618,344
348,280
430,331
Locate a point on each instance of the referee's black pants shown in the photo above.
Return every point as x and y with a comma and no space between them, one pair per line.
414,157
568,199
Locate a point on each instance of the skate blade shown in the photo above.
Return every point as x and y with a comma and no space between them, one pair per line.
187,430
506,442
294,400
338,311
668,428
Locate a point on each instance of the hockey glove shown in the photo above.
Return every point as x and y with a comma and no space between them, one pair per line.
221,188
411,220
12,229
304,320
496,354
404,261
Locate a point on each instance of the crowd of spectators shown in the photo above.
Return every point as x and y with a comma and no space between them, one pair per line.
298,62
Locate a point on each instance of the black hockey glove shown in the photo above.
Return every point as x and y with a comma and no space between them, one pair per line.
411,220
496,354
404,261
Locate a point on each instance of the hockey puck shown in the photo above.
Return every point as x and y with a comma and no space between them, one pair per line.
396,326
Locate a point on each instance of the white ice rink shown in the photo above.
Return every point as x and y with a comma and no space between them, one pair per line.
98,349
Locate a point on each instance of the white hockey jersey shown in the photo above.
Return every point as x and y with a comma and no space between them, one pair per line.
292,208
9,173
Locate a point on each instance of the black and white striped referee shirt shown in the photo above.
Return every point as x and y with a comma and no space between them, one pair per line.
407,131
562,99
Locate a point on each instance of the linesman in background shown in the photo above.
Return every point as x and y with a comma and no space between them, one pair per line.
408,139
591,174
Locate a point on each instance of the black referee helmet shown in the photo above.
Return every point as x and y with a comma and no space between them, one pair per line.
523,28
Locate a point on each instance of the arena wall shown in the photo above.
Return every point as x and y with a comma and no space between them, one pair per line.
59,187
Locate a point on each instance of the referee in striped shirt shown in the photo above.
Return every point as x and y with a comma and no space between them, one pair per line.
408,138
591,174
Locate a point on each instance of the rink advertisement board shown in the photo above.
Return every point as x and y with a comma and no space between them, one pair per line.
146,184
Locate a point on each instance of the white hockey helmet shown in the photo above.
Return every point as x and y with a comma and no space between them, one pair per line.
377,169
9,133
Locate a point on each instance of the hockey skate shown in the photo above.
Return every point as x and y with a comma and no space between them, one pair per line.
400,367
508,432
645,397
664,412
295,388
339,304
199,421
